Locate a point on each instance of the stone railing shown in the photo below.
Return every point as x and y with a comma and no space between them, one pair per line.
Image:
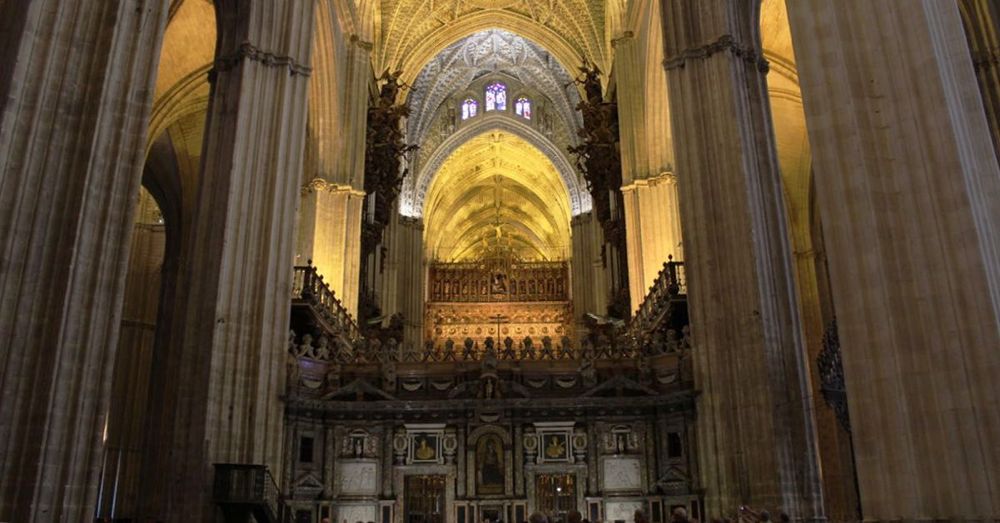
308,287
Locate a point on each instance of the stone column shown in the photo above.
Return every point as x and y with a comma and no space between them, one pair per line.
652,215
332,198
908,188
76,84
756,440
330,235
216,392
653,231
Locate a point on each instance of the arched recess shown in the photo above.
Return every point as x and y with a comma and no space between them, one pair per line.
415,187
186,56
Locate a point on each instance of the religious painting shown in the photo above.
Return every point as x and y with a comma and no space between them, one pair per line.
555,447
424,447
489,465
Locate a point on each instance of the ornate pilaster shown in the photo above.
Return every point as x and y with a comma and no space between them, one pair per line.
908,187
76,87
217,391
756,436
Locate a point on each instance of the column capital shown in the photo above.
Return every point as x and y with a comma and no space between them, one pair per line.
626,36
249,51
725,43
361,43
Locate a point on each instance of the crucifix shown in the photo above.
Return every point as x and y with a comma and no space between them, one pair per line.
500,319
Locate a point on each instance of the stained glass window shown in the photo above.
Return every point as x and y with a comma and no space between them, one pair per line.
496,97
469,108
522,107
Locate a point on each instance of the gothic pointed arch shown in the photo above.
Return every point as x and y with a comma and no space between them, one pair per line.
416,186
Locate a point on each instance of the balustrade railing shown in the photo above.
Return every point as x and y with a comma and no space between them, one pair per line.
308,286
670,284
371,351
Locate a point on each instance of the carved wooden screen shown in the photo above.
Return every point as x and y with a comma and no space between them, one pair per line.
477,283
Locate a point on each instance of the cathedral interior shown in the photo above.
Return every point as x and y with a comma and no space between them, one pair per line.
465,261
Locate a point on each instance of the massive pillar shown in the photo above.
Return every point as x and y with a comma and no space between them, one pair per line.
216,390
333,193
652,214
76,84
909,191
756,438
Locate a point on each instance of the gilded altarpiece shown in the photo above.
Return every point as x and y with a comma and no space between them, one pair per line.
479,301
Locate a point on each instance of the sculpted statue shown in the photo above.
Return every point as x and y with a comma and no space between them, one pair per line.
527,350
469,352
565,347
547,348
508,348
306,348
322,351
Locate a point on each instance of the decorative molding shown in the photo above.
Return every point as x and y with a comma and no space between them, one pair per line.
726,42
319,184
362,44
624,37
248,51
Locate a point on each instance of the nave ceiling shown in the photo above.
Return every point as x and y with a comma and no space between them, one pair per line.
497,179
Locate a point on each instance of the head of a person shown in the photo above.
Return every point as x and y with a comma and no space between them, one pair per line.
538,517
679,515
783,517
765,515
574,516
639,517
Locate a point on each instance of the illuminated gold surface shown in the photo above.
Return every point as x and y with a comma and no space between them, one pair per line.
461,211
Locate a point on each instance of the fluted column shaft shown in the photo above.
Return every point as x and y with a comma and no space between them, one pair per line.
224,373
756,440
76,88
908,187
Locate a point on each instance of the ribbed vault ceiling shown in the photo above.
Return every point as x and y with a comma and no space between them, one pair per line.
497,181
